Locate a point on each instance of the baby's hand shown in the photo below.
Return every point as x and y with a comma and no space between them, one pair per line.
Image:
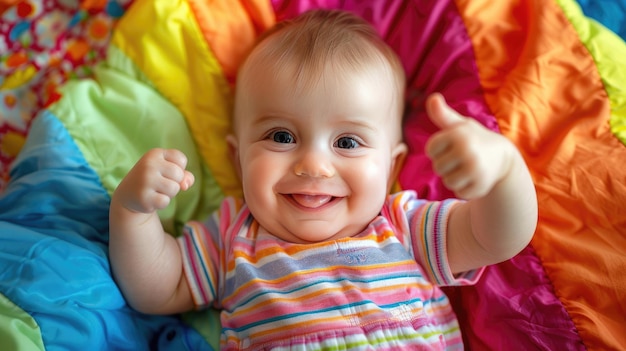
154,180
468,157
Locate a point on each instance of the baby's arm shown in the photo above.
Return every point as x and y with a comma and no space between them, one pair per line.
485,168
146,261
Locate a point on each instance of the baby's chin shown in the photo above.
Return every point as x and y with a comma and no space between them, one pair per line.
312,236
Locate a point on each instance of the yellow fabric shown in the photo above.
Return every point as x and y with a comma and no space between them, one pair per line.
19,77
162,39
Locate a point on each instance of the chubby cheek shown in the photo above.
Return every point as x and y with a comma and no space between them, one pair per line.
368,182
259,175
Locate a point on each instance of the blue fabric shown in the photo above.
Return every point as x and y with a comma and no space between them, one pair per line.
611,13
53,258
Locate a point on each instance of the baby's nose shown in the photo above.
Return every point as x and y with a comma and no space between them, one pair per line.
314,163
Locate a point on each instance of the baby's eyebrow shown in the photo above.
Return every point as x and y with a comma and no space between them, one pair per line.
360,124
270,118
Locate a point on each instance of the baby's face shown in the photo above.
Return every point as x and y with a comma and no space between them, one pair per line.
316,164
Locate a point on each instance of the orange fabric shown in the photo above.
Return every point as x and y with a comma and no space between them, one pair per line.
548,98
230,27
7,4
93,4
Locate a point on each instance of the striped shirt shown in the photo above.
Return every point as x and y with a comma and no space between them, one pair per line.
377,289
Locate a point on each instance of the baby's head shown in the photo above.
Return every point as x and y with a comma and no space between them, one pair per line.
317,126
319,45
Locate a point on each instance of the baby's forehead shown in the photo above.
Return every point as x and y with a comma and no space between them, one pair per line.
295,80
347,95
266,65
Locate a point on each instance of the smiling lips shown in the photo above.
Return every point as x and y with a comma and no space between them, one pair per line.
311,201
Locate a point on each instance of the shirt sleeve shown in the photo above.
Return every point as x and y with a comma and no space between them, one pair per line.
424,227
203,251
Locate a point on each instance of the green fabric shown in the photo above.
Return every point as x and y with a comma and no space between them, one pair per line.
18,330
116,117
207,323
116,59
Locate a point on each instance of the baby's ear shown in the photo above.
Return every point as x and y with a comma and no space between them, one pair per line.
398,155
233,153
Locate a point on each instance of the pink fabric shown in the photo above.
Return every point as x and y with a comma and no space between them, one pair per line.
514,301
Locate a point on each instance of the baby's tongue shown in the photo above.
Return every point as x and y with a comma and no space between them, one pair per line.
311,201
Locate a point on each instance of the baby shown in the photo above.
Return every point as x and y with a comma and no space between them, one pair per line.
318,255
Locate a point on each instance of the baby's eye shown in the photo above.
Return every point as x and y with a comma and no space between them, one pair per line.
282,137
346,143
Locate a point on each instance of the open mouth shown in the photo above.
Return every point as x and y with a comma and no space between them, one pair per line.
308,201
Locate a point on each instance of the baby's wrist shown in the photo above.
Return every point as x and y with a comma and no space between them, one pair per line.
512,160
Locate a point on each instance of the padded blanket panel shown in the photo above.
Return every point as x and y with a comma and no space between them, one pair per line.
81,101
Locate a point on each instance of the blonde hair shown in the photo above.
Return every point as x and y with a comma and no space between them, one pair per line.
318,39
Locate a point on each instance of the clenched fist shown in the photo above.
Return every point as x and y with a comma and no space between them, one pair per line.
154,180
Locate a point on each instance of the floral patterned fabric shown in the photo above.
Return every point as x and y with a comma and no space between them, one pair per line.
43,43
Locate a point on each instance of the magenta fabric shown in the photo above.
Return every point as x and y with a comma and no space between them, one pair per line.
513,307
430,38
437,54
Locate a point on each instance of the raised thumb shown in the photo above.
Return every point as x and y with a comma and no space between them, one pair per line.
440,113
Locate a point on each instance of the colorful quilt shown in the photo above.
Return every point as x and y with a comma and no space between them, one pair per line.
86,87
